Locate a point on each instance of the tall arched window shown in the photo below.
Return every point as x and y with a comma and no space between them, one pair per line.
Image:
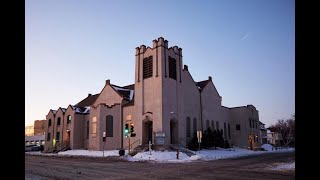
109,126
68,119
212,125
147,67
195,125
59,121
172,68
94,127
188,127
49,123
87,130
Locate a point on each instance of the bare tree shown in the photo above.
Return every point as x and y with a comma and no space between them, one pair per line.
286,128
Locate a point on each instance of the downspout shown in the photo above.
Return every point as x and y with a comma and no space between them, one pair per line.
53,122
121,125
63,113
201,112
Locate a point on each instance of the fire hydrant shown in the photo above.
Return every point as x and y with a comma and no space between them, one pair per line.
177,153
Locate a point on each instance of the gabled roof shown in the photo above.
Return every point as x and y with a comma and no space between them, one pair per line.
88,101
126,91
131,86
202,84
82,110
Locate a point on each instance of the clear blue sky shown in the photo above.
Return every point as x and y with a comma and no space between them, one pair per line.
248,47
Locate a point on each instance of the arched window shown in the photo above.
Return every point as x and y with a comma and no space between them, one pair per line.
109,126
225,130
188,127
59,121
212,125
195,125
207,123
68,119
229,133
94,127
147,67
172,68
87,130
49,122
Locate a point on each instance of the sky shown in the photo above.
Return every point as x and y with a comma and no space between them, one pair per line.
247,46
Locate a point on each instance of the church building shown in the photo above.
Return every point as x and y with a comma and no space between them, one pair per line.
164,104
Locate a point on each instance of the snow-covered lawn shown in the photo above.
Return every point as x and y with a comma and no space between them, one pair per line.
219,153
170,156
159,156
79,153
284,167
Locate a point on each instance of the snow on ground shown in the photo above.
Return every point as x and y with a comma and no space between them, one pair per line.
267,147
219,153
168,156
284,167
165,156
79,152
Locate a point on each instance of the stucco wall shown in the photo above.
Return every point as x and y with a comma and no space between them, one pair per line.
241,115
77,140
191,102
108,96
115,141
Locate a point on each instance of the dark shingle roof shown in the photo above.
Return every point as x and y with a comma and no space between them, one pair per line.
131,86
87,101
124,91
202,84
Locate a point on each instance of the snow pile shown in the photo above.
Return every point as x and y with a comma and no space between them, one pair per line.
165,156
169,156
89,153
79,153
220,153
284,167
268,147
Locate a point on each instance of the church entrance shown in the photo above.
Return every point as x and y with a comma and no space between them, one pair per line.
147,132
174,137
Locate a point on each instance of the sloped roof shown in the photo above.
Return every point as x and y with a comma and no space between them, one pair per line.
131,86
125,91
82,110
87,101
202,84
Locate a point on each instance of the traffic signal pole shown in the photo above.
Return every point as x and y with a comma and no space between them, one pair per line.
129,145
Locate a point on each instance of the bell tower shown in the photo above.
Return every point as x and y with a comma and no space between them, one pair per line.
157,84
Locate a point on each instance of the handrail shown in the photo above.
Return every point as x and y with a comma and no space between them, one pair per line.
179,142
133,143
183,141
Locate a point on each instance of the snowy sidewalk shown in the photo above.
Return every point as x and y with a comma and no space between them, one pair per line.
168,156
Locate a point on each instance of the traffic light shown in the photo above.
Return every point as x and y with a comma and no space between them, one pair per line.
132,134
126,130
131,128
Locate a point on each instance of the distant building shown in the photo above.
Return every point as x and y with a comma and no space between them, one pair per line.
39,127
263,133
35,134
164,103
274,138
36,139
29,130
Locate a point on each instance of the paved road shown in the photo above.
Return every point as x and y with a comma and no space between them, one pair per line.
250,167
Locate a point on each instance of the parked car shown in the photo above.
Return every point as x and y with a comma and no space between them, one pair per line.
34,147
